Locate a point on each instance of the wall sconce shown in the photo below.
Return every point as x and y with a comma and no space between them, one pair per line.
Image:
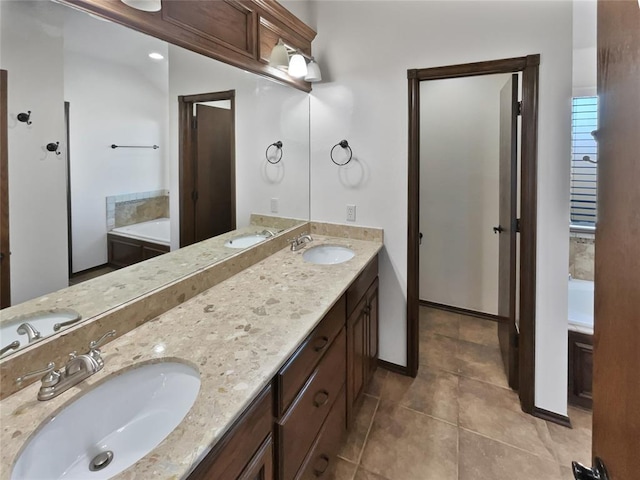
144,5
294,61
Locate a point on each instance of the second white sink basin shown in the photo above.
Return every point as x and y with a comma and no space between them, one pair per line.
244,241
328,254
125,417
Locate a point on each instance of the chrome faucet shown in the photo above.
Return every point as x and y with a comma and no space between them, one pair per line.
28,330
299,242
77,369
268,233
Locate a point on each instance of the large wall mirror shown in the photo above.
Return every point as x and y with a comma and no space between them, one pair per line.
105,127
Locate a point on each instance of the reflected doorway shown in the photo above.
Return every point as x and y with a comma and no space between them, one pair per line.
207,166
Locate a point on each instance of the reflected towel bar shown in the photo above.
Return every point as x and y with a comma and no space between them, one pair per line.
114,146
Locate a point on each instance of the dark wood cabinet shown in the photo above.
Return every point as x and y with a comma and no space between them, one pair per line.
245,452
580,369
124,251
362,335
292,430
241,33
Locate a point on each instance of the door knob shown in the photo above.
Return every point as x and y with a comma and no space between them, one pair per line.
498,229
598,472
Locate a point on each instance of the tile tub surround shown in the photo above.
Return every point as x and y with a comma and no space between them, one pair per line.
238,333
131,296
582,249
123,210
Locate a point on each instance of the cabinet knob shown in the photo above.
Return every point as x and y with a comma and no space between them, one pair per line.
321,343
319,471
321,398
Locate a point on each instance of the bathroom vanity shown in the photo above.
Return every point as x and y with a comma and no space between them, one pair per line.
284,350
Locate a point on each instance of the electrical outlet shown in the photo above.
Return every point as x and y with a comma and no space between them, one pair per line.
274,205
351,213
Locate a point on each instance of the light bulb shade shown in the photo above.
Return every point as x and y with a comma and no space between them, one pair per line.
297,66
144,5
279,57
313,72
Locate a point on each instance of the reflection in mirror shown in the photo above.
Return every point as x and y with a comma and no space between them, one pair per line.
113,196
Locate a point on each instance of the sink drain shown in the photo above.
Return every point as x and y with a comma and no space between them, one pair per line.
101,461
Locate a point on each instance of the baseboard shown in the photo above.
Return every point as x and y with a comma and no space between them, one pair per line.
89,270
563,420
463,311
393,367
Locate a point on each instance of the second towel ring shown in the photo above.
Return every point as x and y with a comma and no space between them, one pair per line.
278,146
344,144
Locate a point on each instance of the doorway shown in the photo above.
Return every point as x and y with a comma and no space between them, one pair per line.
207,165
518,343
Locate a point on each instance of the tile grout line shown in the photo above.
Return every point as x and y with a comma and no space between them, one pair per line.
366,437
552,460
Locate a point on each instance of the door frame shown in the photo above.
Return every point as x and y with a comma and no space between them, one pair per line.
5,250
185,155
529,66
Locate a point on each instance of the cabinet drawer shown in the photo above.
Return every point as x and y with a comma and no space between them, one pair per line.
300,425
321,460
295,372
361,284
235,450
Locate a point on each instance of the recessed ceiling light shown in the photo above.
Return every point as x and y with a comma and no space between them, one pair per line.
156,56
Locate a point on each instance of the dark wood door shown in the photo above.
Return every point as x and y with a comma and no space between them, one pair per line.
506,229
616,380
213,169
261,465
5,270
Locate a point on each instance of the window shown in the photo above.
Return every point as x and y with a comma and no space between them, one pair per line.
584,152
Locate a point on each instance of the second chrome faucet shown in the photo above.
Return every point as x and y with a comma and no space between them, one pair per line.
77,369
299,242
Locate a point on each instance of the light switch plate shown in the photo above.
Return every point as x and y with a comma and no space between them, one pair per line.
274,205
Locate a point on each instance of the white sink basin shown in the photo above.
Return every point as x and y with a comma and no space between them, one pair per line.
328,254
244,241
128,415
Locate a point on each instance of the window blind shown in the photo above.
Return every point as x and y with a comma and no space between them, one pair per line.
584,175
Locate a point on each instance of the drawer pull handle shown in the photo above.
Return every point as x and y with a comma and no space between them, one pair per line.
320,471
321,398
323,342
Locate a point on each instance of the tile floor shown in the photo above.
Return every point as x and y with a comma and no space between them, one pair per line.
457,420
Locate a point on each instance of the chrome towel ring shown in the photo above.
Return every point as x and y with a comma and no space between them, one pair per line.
345,145
278,155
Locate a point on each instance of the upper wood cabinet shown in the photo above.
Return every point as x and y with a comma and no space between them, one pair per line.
238,32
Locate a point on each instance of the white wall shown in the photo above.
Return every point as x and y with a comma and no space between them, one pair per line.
584,48
365,49
111,103
32,55
265,112
459,191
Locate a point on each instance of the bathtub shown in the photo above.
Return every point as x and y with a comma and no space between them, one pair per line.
138,242
581,306
155,231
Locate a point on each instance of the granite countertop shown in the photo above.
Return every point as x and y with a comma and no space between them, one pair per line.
238,334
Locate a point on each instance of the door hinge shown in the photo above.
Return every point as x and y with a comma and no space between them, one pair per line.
520,108
517,225
194,196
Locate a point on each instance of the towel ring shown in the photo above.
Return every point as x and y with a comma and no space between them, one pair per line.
278,146
344,144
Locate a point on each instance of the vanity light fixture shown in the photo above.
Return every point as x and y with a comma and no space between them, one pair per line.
297,66
156,56
144,5
294,61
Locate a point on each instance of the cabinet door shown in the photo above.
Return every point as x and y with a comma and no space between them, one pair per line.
357,362
261,465
372,329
